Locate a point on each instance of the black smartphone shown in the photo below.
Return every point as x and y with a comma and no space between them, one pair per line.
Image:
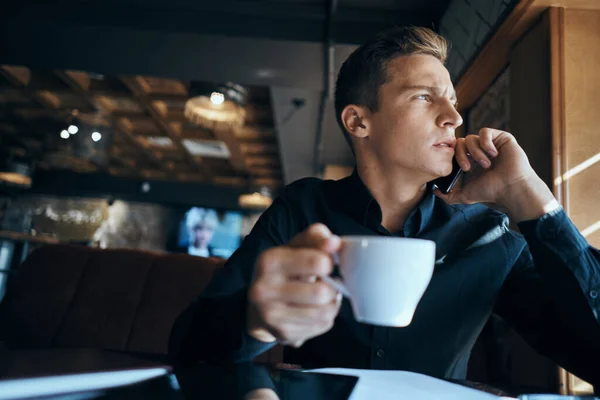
446,183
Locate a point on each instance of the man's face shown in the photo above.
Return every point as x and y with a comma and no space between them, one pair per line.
416,114
204,235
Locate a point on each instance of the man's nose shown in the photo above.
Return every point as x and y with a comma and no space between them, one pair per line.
450,117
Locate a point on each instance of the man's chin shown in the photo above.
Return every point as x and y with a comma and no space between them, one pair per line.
443,172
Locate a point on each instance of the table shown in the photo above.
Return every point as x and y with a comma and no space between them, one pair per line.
241,381
35,373
15,364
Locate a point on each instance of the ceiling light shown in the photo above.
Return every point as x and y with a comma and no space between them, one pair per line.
217,98
73,129
96,136
160,141
64,134
206,148
255,201
16,173
259,199
216,106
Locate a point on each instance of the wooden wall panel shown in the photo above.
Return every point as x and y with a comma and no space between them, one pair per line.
530,98
582,113
531,124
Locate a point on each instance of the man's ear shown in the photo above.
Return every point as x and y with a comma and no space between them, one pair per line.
356,120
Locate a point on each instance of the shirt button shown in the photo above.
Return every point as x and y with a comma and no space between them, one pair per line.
593,294
380,353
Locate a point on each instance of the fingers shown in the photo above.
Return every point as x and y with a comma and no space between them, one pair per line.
294,325
486,141
261,394
481,148
291,304
460,152
317,236
282,263
294,293
474,148
282,314
308,255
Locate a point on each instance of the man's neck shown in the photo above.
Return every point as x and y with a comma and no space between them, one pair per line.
396,192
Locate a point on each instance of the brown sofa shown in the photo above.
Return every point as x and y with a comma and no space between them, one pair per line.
76,296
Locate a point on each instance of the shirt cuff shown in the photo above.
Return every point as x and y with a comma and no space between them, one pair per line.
554,237
555,231
251,348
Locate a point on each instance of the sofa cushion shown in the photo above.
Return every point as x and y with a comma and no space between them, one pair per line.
172,284
75,296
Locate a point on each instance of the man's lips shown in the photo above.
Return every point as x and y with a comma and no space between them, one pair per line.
444,147
446,143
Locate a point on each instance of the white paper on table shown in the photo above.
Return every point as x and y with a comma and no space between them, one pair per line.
399,385
70,383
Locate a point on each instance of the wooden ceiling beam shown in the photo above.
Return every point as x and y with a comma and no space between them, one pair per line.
133,85
20,77
259,149
255,131
117,125
76,88
120,127
74,84
126,114
263,161
237,158
265,172
269,141
167,97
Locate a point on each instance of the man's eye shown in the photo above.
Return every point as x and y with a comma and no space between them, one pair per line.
423,97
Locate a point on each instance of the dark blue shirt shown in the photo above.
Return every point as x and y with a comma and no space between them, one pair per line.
543,281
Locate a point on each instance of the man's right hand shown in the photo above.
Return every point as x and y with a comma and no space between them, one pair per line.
287,301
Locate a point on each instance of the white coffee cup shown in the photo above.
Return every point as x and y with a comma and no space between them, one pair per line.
384,277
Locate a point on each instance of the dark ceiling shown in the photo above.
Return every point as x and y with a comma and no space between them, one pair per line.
353,20
277,46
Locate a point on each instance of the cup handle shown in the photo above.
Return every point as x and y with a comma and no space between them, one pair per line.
336,285
339,286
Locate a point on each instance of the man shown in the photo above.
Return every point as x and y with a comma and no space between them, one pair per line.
396,105
201,224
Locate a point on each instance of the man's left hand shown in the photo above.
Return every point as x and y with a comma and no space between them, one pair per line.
498,172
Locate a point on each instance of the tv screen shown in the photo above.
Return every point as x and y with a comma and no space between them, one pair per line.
205,232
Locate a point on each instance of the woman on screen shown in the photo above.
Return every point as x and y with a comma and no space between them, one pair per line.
201,224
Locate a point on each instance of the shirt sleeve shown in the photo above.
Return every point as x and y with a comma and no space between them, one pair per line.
213,327
551,295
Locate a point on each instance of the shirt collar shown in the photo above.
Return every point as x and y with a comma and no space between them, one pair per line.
358,202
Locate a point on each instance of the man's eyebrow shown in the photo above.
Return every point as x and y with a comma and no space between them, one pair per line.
430,89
